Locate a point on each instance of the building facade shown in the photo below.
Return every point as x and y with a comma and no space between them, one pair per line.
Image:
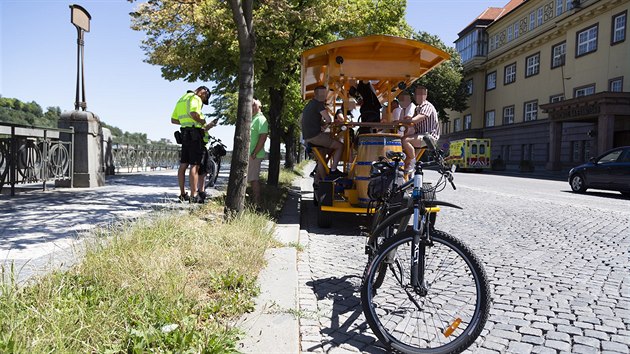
549,81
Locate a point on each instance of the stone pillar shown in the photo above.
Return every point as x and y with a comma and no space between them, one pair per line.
605,133
555,145
88,148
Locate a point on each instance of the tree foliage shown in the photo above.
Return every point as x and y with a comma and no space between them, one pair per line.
14,111
196,40
446,86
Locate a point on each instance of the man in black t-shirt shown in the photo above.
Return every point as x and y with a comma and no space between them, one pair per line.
312,116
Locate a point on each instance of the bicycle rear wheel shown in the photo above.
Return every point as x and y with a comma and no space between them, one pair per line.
448,318
211,169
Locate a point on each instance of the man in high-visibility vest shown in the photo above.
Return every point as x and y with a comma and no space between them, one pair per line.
187,114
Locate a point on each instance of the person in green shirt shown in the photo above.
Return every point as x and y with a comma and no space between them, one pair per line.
258,133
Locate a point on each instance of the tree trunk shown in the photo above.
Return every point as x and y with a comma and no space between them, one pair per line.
276,102
237,183
289,143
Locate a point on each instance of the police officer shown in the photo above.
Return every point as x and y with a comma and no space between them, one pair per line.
187,114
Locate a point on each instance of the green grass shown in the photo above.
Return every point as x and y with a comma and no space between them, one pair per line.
167,283
272,198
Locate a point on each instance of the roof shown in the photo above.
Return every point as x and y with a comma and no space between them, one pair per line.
490,15
384,60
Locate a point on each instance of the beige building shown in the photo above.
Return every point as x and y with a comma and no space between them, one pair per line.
549,81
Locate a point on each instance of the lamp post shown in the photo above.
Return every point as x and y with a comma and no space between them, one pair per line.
80,18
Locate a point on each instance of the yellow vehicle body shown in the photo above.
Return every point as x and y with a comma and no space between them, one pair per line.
470,154
391,64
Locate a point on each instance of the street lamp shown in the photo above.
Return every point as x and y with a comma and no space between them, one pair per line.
80,18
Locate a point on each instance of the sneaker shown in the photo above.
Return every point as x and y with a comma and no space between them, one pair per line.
184,197
203,196
196,200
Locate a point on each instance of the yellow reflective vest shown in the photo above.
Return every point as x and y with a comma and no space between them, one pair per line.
189,102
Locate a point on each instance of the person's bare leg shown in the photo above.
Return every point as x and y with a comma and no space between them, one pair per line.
409,153
181,178
194,178
201,185
338,149
256,191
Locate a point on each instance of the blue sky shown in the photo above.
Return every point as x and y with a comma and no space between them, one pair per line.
38,59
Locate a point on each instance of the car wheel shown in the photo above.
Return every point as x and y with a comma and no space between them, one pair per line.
577,183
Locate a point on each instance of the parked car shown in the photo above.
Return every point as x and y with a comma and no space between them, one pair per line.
609,171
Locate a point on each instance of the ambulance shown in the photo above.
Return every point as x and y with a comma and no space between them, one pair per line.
470,154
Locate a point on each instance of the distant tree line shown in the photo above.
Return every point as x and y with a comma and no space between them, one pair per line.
14,111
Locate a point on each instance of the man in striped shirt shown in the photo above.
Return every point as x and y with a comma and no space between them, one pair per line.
425,121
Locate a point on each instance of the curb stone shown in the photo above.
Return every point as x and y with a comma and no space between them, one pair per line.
273,326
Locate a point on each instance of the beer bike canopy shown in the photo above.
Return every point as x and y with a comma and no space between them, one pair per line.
390,63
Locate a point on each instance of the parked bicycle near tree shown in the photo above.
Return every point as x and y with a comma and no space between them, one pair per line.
423,290
216,151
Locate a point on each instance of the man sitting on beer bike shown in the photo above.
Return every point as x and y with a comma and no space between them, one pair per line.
313,115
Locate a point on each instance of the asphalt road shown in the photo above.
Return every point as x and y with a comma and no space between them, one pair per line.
558,265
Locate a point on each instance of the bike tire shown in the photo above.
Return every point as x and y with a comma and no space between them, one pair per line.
216,175
211,170
457,288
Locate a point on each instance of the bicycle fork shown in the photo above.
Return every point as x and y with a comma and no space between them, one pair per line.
421,238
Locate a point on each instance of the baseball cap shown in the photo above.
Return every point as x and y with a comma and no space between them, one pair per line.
204,100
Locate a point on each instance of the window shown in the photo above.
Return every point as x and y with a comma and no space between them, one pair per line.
457,124
576,151
615,85
467,121
556,98
527,152
559,6
469,87
586,41
472,45
445,128
494,42
508,115
491,81
531,110
510,33
584,91
569,5
558,52
509,74
532,20
507,152
612,156
618,28
532,64
587,150
490,119
515,30
540,16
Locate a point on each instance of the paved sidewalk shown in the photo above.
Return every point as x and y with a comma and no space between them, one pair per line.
41,230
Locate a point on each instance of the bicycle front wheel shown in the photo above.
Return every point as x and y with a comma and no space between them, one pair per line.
445,315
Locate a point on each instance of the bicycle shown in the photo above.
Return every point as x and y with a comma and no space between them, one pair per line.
216,151
423,290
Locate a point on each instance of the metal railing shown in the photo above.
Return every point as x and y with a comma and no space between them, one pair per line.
30,155
143,157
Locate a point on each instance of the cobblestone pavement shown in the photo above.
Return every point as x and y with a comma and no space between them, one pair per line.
558,265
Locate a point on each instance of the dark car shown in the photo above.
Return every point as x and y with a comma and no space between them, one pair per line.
609,171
